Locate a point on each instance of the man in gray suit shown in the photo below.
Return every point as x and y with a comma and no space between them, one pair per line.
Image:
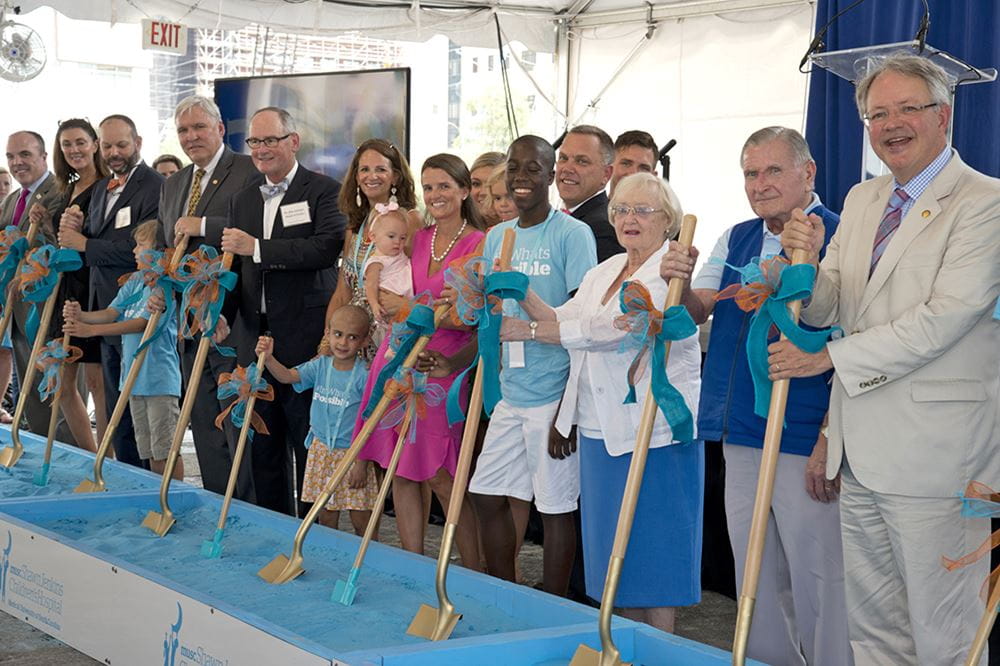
26,158
194,202
912,277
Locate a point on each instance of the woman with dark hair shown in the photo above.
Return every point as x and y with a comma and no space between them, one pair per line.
378,174
456,232
77,165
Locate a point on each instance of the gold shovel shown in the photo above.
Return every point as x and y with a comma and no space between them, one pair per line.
762,502
436,624
11,454
609,654
985,626
42,475
283,569
97,484
161,522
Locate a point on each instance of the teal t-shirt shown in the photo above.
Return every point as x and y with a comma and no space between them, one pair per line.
161,371
335,401
555,255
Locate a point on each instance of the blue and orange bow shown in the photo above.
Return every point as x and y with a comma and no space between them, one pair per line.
979,501
239,383
767,287
413,321
39,276
479,303
155,272
203,281
411,392
648,330
50,362
13,245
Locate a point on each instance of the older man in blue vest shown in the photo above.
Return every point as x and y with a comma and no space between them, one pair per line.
800,613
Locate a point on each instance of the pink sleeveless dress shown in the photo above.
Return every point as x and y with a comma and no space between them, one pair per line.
437,443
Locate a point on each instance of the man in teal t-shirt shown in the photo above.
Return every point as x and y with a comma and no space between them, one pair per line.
554,251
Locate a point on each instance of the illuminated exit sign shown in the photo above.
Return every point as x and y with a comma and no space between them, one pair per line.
164,36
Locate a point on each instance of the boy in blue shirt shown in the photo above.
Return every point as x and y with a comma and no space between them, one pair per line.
555,251
337,379
154,398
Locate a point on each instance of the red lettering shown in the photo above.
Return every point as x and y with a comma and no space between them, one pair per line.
154,30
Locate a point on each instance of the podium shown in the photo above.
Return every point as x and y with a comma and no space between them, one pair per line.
853,64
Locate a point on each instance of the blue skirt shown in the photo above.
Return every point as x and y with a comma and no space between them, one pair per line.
663,560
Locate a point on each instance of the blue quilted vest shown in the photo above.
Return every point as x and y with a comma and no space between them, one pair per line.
725,411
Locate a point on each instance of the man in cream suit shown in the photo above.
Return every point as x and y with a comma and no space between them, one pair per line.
195,202
912,276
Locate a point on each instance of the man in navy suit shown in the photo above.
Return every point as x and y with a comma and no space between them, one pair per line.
128,197
287,237
194,202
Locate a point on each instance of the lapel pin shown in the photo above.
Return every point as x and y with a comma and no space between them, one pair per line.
925,213
215,181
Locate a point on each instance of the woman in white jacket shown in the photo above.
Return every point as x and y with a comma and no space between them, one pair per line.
663,563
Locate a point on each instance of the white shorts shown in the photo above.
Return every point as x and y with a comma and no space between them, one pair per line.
515,460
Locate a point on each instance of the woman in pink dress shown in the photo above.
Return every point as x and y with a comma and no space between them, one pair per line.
456,232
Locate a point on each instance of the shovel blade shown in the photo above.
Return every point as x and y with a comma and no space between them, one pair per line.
280,570
88,486
212,548
158,523
9,456
433,624
344,592
588,656
42,475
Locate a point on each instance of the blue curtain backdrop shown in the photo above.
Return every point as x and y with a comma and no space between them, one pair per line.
968,29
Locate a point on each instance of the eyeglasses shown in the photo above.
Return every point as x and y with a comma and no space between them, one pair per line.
882,115
269,141
641,212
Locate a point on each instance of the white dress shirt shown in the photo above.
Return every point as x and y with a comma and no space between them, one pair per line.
270,213
117,192
587,331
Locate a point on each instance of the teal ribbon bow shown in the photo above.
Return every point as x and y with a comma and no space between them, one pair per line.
795,283
39,276
479,303
241,384
154,272
203,283
50,361
650,329
13,245
404,334
416,394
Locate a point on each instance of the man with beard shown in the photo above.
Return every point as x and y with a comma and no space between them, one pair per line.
128,197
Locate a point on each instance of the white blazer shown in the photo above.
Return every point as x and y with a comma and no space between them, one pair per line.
587,331
915,395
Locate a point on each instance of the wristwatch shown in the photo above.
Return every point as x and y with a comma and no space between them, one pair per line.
533,325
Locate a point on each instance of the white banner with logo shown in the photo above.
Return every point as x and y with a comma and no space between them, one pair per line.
118,617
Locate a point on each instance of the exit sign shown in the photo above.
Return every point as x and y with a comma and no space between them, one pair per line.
164,36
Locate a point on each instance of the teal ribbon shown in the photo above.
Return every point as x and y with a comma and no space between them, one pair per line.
653,329
50,360
13,245
795,284
996,310
495,288
153,271
193,276
418,323
232,387
49,263
413,389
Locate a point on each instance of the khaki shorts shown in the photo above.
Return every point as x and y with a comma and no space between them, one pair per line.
155,419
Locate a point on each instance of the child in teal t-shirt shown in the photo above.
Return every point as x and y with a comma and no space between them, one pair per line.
337,379
154,398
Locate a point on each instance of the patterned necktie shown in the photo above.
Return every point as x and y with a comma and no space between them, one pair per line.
195,192
22,203
270,191
115,183
887,227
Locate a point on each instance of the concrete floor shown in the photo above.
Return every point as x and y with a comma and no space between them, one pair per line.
711,622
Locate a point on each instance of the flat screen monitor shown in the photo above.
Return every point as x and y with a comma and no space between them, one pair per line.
334,112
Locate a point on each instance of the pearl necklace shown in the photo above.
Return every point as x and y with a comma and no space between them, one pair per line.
434,237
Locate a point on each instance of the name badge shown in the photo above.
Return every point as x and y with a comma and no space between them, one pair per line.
295,214
515,354
123,217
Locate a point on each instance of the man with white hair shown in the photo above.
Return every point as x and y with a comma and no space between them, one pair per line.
912,278
194,202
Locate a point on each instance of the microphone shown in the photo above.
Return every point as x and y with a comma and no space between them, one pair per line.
664,159
925,25
817,44
666,148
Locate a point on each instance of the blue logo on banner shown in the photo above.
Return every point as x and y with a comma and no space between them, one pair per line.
4,566
171,640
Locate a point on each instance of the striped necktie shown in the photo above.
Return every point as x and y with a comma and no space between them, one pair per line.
887,227
195,192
